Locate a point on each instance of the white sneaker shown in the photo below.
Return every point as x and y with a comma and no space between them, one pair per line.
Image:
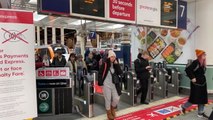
203,115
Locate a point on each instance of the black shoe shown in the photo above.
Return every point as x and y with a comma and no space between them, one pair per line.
203,115
182,109
146,103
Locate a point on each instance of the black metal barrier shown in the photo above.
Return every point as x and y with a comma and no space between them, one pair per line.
54,91
164,81
84,97
129,87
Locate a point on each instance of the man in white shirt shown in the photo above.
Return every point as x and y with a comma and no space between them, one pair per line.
5,3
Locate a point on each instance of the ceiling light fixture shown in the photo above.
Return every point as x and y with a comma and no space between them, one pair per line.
79,22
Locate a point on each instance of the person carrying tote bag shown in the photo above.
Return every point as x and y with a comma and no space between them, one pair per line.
110,79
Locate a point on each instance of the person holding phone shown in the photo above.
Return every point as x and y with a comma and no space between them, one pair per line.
111,89
198,93
142,69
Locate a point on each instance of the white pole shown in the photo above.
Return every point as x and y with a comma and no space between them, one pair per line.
62,36
53,35
45,35
38,35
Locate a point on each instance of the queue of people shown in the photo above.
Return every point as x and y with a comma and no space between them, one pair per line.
110,76
59,60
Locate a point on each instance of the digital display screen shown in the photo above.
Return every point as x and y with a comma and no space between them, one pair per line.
94,8
55,6
168,13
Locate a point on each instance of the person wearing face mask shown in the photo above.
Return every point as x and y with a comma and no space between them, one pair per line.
198,93
142,69
111,89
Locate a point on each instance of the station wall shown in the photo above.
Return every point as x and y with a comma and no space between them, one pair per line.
140,40
203,36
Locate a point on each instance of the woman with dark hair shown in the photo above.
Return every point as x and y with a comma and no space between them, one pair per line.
142,69
111,89
198,93
72,63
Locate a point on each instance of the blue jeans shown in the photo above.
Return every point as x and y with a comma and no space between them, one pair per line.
200,107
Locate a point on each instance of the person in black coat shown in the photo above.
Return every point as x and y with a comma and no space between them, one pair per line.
198,94
142,69
59,60
111,90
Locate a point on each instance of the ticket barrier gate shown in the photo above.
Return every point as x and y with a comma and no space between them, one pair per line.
152,81
129,87
98,96
83,103
161,86
174,82
54,91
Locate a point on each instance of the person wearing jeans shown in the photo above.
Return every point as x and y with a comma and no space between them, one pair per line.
198,94
111,90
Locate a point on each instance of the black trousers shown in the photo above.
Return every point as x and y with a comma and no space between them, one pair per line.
143,90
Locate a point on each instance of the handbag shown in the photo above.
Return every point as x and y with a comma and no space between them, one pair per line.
115,78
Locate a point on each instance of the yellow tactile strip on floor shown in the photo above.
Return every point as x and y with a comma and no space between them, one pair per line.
169,118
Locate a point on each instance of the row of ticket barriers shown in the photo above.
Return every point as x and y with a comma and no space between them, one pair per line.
164,82
61,92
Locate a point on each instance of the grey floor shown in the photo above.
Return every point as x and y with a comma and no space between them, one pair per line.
99,110
193,115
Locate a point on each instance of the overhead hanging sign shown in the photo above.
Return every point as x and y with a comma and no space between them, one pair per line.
182,14
169,13
148,12
122,10
17,60
60,7
88,8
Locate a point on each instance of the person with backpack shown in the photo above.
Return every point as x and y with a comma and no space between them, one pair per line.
142,69
198,93
109,77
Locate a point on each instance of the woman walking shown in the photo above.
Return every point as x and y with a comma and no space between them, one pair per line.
111,87
198,94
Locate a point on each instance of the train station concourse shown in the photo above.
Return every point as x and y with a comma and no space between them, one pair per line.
106,60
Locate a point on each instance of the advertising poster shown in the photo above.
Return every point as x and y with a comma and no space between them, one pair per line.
54,6
182,14
94,8
148,12
168,13
17,60
122,10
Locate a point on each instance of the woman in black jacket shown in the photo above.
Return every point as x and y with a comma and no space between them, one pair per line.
198,94
142,69
111,90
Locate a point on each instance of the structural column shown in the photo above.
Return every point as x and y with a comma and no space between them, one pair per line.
62,36
53,35
45,35
38,36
